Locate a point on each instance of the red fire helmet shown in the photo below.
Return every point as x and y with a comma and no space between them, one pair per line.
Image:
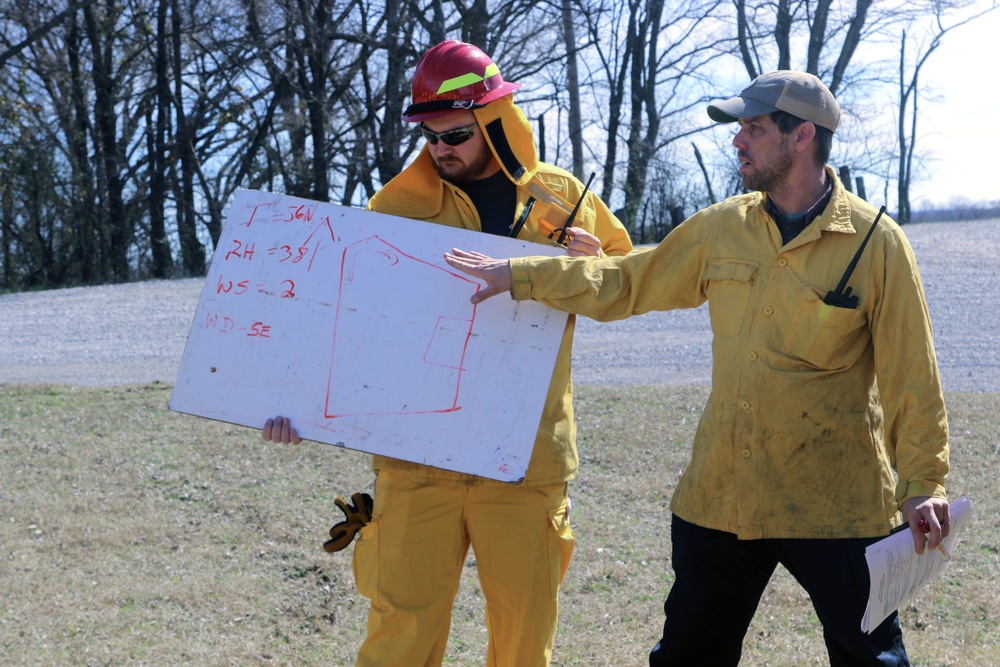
453,76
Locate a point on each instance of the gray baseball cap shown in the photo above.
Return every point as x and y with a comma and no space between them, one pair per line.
798,93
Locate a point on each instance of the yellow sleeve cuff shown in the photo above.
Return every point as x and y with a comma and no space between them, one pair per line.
520,285
929,489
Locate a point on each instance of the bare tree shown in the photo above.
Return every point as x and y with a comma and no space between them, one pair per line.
157,119
608,91
649,82
785,21
126,126
391,150
36,32
573,87
909,87
68,83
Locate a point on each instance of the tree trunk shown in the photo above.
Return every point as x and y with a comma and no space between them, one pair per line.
86,256
476,25
7,236
156,142
573,88
317,51
116,232
192,249
850,44
782,32
817,35
645,123
902,178
616,101
704,173
743,39
389,158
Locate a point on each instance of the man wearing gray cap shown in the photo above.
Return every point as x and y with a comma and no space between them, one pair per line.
826,426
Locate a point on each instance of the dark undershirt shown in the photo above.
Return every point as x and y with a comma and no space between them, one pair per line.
791,224
495,198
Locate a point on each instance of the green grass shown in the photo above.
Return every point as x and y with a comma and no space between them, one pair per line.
130,534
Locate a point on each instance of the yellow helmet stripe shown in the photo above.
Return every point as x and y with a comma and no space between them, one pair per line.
467,79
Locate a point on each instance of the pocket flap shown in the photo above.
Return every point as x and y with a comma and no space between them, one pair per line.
730,269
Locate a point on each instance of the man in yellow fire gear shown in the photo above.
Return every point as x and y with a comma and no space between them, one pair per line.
408,560
826,418
479,170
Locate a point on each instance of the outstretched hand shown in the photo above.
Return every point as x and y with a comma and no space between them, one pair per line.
495,272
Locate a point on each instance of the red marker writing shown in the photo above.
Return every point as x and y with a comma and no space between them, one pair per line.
926,528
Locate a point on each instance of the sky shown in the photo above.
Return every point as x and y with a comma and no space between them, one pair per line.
960,128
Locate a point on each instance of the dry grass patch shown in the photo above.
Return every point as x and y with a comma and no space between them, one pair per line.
133,535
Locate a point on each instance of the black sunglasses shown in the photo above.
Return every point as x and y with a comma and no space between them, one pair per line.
454,137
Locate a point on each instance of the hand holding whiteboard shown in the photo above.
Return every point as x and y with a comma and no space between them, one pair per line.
352,324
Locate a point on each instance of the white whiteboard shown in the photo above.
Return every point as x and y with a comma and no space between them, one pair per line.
351,323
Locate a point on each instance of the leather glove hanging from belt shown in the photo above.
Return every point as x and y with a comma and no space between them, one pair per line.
358,513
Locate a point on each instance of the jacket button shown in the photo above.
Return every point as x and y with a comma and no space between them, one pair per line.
745,405
782,262
752,356
746,453
768,310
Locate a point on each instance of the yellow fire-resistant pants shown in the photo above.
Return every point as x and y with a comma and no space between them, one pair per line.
408,563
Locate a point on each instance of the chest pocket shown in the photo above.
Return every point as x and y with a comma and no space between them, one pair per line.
730,282
823,336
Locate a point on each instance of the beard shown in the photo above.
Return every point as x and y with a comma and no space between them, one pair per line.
454,170
771,175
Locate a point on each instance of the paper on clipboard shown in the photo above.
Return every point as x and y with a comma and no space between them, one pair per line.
896,572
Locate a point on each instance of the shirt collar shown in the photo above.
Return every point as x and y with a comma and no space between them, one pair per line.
807,215
836,217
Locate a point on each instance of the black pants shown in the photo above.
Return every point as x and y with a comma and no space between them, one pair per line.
719,582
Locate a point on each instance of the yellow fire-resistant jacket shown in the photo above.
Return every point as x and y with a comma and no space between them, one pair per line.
419,193
812,407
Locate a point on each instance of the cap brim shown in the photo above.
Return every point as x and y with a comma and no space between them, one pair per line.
731,110
428,115
505,88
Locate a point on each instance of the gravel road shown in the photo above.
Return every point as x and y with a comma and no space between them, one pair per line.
135,333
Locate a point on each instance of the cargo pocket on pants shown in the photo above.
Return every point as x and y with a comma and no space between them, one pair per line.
366,567
561,543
